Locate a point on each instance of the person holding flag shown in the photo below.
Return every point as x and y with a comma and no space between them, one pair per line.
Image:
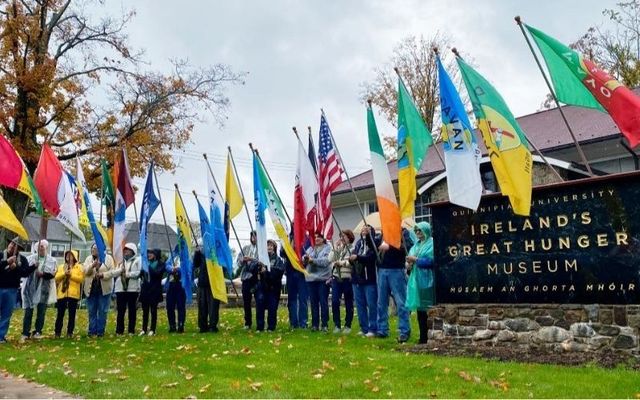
127,287
247,263
69,277
98,284
208,306
176,297
36,290
13,266
151,290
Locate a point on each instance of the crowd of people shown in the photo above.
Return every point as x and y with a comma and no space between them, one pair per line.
364,273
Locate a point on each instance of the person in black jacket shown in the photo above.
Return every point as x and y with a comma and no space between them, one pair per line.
364,281
208,307
176,296
13,266
151,291
269,288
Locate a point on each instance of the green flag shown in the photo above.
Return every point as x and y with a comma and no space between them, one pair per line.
566,72
413,141
37,203
108,196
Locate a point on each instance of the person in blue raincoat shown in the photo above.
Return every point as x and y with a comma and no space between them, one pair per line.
421,288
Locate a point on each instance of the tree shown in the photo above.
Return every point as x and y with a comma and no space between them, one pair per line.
72,80
416,62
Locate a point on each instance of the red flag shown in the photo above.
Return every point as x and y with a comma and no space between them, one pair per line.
10,165
123,184
305,193
47,180
329,177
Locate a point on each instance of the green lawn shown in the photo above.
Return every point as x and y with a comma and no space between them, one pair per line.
236,363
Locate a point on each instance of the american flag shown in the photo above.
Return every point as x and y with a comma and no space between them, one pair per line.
329,177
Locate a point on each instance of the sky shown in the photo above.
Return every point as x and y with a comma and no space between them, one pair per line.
302,56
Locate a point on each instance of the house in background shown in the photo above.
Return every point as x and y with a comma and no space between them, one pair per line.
60,239
596,132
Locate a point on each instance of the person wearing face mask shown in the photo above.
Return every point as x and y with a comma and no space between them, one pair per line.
420,289
36,290
98,283
151,291
270,288
127,287
316,261
68,278
13,266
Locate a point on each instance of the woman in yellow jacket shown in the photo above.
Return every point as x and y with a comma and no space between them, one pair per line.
69,278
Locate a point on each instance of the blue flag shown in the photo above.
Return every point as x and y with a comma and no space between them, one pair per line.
217,229
149,204
461,154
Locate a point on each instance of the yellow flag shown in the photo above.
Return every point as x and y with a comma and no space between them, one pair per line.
216,280
184,229
83,218
232,192
9,221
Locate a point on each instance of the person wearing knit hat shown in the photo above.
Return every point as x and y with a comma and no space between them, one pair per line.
36,290
127,287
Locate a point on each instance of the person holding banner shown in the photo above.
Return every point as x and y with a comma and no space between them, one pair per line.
208,306
341,285
151,291
13,266
98,283
37,289
270,286
248,264
176,296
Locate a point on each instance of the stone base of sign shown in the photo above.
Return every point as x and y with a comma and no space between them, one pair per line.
560,327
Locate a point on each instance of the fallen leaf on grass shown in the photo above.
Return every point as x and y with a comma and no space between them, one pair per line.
464,375
235,384
188,377
375,389
98,380
204,388
446,370
500,384
276,387
170,385
326,365
250,366
318,376
290,346
11,359
245,350
255,386
113,371
146,389
123,377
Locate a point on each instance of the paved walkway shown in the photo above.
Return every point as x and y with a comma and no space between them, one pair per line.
13,387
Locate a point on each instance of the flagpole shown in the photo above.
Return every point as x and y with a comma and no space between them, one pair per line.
344,169
234,231
193,233
101,197
235,172
215,182
164,217
555,98
455,51
271,182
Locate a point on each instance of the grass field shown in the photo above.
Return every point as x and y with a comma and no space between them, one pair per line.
237,363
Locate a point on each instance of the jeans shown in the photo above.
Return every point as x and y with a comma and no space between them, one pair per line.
176,300
267,300
41,309
126,302
7,304
97,308
367,305
392,282
339,289
297,299
249,290
149,307
208,310
319,299
63,305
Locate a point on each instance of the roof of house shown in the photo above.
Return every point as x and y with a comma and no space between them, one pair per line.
544,128
56,232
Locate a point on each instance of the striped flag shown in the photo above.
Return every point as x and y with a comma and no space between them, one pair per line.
329,177
306,191
124,197
99,235
385,195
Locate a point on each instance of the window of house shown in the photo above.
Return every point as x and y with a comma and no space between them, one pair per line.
489,181
57,250
423,212
372,207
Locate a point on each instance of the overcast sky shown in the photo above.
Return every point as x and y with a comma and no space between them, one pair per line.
304,55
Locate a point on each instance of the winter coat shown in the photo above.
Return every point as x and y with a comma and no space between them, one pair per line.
69,286
340,266
10,279
35,290
320,268
364,267
130,282
151,289
106,269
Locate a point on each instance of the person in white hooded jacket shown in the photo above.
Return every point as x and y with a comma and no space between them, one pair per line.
37,289
127,288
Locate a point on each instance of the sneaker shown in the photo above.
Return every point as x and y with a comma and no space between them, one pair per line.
362,333
403,338
37,335
370,335
337,330
142,333
314,329
346,330
246,327
151,333
23,338
324,329
3,341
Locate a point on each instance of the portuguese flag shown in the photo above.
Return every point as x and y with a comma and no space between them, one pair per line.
505,140
578,81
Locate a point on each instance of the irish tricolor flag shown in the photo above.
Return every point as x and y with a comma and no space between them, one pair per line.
386,196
